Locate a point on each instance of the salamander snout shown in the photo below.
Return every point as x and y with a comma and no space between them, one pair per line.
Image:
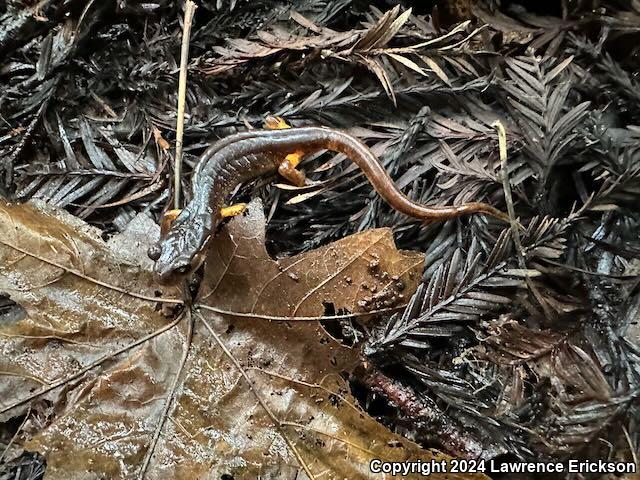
170,266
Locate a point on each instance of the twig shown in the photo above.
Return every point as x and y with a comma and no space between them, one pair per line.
10,162
189,11
634,456
515,225
431,423
169,402
26,377
278,424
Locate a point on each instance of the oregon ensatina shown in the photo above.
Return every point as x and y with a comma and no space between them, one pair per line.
244,156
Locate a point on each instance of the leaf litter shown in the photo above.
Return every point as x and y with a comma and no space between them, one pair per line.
102,420
536,357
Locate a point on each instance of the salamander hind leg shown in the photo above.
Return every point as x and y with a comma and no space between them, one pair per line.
275,123
288,167
288,170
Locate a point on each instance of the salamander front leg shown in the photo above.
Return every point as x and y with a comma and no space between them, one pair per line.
170,216
233,210
167,220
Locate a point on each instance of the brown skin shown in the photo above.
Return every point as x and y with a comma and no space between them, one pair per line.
247,155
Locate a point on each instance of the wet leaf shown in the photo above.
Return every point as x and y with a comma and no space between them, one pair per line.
353,273
254,397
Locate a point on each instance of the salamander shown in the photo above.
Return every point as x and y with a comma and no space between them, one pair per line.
247,155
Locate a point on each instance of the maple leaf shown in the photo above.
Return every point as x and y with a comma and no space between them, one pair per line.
241,395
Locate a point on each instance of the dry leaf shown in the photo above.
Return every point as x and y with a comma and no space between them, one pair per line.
160,140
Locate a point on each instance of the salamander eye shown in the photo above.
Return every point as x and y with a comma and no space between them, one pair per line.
154,252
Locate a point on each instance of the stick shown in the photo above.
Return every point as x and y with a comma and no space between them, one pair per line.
189,11
506,186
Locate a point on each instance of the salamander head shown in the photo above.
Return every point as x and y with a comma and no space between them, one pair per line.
181,251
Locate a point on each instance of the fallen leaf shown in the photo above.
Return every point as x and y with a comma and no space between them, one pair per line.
353,274
71,320
255,398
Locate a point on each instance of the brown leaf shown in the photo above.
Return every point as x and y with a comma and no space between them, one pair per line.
304,21
393,29
160,140
255,398
511,343
407,63
361,268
